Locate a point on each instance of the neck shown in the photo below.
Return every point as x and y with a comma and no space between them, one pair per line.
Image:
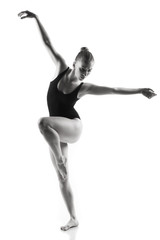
72,77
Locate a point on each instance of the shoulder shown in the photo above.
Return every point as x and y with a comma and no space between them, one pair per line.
85,88
60,67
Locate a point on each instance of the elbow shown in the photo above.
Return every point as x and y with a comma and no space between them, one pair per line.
114,90
47,43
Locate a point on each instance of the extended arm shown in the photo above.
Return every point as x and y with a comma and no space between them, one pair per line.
89,88
57,58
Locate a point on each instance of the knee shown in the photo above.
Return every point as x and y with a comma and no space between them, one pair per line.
47,131
63,181
43,124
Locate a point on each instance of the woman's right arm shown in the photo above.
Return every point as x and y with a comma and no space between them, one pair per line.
57,58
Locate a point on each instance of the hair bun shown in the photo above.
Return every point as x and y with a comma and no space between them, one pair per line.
84,49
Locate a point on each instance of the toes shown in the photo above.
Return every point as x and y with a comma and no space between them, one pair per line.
70,224
65,228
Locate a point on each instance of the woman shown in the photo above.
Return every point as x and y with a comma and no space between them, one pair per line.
64,125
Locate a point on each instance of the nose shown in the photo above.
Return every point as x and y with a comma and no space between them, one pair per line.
87,73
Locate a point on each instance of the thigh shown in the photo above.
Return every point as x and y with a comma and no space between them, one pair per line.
69,130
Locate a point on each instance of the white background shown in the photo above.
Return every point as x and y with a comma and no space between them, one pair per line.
114,168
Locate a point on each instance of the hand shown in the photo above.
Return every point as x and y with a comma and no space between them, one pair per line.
26,14
147,92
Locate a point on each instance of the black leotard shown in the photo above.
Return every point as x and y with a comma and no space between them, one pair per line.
60,104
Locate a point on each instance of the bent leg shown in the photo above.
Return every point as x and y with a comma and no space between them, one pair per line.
69,130
60,129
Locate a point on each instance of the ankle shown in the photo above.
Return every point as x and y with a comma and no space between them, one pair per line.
73,218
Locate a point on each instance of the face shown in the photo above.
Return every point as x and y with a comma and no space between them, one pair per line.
83,68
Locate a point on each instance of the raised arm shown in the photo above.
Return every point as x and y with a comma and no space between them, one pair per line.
57,58
89,88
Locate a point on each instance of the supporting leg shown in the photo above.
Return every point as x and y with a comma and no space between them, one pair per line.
66,191
68,198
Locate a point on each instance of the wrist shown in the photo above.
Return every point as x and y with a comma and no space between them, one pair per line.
140,90
35,16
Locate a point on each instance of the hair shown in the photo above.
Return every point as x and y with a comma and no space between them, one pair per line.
85,54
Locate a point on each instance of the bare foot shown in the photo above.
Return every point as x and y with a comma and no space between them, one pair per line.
72,223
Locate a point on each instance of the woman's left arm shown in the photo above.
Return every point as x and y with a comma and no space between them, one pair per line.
102,90
147,92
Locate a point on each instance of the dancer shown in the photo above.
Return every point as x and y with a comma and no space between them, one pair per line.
64,125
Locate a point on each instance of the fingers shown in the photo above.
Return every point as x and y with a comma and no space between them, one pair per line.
150,95
148,92
25,14
21,14
24,17
153,95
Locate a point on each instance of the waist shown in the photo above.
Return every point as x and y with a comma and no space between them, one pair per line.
68,113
